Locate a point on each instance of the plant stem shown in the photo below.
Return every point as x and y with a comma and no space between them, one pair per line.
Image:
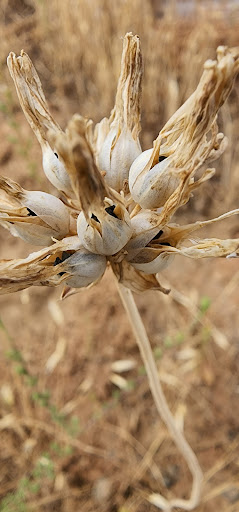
162,407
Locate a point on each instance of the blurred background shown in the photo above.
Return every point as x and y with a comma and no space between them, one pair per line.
78,428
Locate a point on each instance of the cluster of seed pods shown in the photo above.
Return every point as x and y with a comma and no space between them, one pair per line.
115,203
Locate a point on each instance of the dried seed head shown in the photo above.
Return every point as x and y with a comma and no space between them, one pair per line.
94,165
107,231
118,152
83,268
121,145
145,227
74,149
35,216
143,247
152,188
104,224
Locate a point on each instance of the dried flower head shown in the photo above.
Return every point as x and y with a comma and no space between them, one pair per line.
116,202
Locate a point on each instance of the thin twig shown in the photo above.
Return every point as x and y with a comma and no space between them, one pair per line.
62,435
69,493
147,458
162,407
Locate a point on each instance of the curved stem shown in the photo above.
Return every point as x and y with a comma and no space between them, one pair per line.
162,407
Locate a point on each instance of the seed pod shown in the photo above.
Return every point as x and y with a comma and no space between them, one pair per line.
121,145
116,156
101,131
150,262
188,139
83,267
65,261
145,227
169,241
107,232
38,269
35,108
104,225
54,170
34,216
151,185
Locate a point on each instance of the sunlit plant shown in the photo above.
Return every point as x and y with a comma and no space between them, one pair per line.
115,203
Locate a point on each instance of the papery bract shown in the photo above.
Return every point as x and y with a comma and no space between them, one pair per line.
84,268
105,233
121,144
34,216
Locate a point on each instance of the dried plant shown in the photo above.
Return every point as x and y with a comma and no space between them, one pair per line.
116,203
174,46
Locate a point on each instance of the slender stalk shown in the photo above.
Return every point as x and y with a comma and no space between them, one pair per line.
162,407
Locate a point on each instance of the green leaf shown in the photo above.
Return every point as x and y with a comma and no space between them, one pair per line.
204,304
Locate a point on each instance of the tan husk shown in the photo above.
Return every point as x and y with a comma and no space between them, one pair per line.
100,231
146,227
159,252
77,154
151,259
35,108
135,280
128,96
31,95
48,267
175,233
119,135
208,248
183,141
35,216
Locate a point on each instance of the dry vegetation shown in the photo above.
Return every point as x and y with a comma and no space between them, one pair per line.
75,432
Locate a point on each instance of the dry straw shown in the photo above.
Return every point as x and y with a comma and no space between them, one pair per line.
116,203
